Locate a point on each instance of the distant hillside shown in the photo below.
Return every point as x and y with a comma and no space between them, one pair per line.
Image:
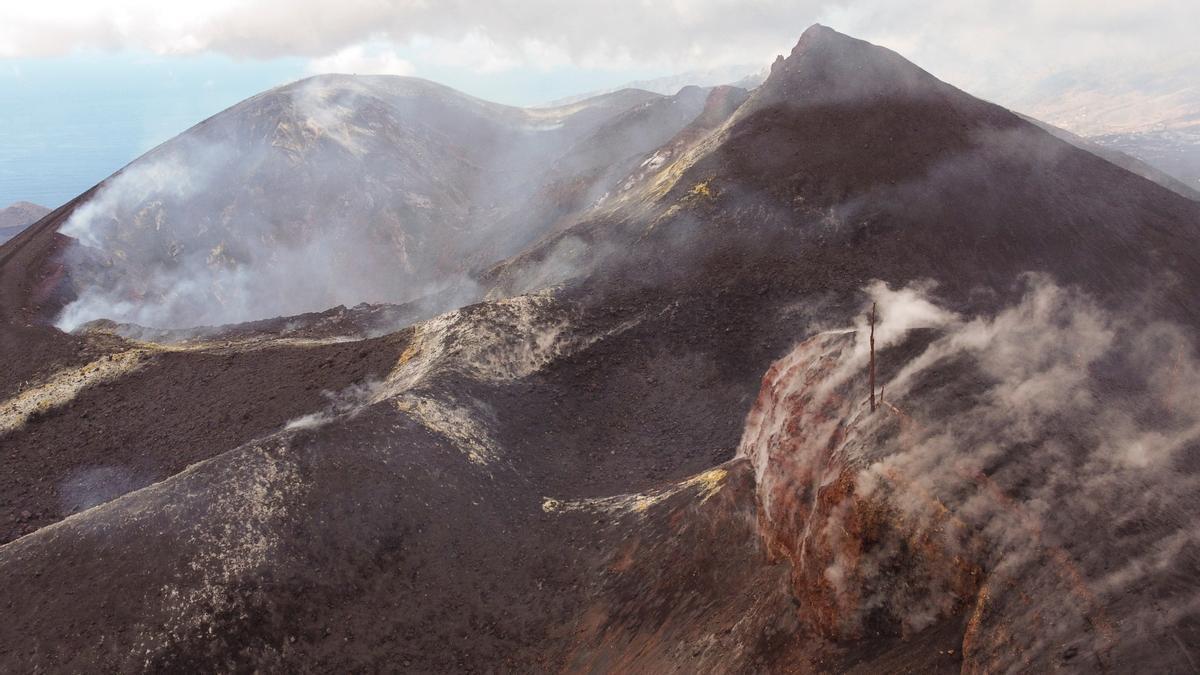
1128,157
743,76
1154,117
1174,151
17,217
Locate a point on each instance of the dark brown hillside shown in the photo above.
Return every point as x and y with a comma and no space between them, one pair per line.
852,161
30,276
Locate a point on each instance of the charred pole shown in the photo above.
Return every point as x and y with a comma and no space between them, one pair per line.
872,366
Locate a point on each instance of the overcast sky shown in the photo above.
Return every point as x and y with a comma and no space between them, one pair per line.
985,44
1089,65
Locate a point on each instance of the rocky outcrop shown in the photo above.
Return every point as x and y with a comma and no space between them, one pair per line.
1001,489
861,565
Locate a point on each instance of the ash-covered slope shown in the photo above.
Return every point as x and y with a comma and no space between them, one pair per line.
667,460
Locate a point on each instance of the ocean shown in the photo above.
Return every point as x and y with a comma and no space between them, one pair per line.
67,123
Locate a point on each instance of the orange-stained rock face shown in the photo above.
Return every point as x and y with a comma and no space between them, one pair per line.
998,492
861,565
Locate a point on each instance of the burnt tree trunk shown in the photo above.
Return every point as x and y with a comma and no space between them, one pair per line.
872,366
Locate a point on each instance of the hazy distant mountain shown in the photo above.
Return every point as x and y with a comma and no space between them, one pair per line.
744,76
1115,150
17,217
1175,151
1114,102
854,372
1155,118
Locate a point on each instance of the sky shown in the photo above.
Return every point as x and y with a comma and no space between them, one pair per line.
87,86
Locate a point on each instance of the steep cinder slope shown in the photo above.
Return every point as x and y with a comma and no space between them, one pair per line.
864,156
850,165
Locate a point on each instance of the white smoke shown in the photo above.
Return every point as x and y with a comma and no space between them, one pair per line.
191,234
91,486
339,190
93,222
900,311
345,403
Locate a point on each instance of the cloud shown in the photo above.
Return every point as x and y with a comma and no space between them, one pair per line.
362,60
1045,58
942,31
1089,67
525,31
480,52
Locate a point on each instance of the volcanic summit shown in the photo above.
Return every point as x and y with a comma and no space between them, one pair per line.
367,374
